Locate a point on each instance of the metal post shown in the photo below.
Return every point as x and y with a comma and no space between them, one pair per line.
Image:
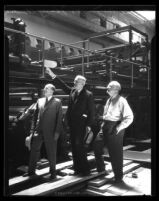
110,68
148,84
83,62
130,43
147,59
61,55
39,54
43,67
88,55
132,76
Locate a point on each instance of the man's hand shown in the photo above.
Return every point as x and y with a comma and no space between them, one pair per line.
49,72
100,117
88,129
56,136
28,141
118,129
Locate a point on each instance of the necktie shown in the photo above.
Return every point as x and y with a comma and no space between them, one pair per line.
76,95
46,101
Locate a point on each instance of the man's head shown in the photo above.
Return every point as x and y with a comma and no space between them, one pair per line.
49,90
113,88
79,82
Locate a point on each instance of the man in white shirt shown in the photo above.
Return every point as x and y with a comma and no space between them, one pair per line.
116,117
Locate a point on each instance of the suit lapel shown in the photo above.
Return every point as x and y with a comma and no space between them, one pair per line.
47,104
75,100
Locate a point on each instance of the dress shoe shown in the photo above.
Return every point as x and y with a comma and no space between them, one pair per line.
118,180
74,173
29,174
52,176
105,172
87,173
61,173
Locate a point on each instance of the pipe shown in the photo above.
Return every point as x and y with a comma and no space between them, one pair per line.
83,62
43,69
42,38
88,54
132,74
110,69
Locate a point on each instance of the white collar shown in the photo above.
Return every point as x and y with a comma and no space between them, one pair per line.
49,98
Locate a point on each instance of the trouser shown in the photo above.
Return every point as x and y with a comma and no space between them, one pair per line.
79,154
114,144
62,147
50,145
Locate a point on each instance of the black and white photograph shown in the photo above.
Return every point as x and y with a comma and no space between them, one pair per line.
78,101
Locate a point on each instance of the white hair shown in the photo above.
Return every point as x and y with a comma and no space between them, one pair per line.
80,77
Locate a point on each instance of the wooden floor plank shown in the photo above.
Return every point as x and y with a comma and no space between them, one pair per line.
128,147
137,156
51,186
144,141
101,189
20,179
141,184
100,181
95,193
100,186
131,186
147,151
117,189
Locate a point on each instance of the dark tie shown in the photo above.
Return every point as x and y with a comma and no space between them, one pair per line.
76,95
46,101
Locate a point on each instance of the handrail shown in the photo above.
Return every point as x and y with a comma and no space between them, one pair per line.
130,62
87,53
87,50
42,38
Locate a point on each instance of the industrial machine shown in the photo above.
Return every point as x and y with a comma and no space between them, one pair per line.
128,63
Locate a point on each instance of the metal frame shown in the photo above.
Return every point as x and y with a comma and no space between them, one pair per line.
87,51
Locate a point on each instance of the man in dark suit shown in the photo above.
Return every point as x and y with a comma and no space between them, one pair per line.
80,116
46,126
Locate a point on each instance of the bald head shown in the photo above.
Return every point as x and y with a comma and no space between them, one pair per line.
114,85
113,88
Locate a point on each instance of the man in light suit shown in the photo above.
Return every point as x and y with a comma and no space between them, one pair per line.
46,126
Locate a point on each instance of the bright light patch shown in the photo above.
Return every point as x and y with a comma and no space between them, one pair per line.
149,15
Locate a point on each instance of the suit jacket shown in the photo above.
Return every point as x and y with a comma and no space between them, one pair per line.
47,118
81,109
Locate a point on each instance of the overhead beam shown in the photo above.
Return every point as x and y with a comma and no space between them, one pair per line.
117,30
106,33
125,17
79,23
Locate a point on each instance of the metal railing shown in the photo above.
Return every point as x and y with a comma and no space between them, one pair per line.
86,53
